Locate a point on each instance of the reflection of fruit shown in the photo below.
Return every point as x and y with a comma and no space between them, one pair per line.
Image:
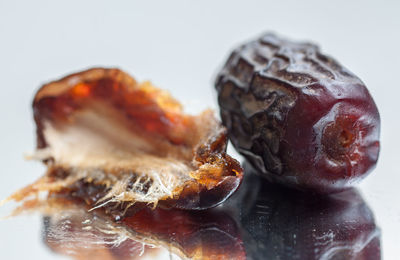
130,142
71,230
279,223
297,115
200,235
260,221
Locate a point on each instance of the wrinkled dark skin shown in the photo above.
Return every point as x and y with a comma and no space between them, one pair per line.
297,115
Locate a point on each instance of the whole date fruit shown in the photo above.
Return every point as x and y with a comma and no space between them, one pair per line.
297,115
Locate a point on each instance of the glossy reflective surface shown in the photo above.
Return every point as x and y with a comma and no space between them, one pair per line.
201,235
279,223
261,221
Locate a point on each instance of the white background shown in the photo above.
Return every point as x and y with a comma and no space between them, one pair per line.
179,45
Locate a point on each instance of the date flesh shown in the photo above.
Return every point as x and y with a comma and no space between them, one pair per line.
298,116
130,143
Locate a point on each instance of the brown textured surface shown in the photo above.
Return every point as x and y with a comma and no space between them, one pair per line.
277,96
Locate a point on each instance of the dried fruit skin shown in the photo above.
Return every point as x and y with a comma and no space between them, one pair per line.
297,115
128,143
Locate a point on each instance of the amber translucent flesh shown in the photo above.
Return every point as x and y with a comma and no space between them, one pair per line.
139,105
154,115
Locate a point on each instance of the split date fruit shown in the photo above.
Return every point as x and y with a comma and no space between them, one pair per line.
298,116
126,143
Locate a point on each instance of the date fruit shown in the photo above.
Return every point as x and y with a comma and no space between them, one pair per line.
125,143
298,116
